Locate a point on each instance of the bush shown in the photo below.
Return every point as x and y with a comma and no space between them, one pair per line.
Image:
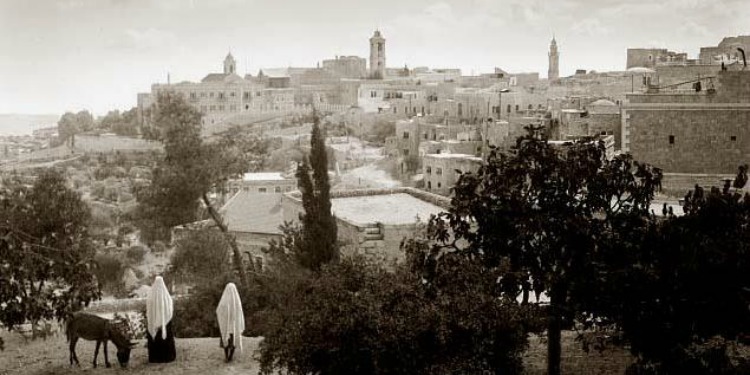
135,254
200,255
109,271
356,317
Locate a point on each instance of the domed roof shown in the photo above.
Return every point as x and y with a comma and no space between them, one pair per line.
603,103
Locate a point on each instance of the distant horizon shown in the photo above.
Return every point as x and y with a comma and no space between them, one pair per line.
70,55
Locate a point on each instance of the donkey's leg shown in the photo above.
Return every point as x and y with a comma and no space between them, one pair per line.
96,351
74,357
106,355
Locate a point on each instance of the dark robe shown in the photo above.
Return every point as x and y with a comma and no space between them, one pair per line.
161,350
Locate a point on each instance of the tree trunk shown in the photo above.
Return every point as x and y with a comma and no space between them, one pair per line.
236,255
554,332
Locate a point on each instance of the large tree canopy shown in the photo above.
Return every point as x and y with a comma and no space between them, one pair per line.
190,169
534,218
46,255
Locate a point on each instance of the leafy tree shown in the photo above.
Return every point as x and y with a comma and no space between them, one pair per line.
535,217
318,230
356,317
200,255
682,293
191,169
46,255
383,130
71,124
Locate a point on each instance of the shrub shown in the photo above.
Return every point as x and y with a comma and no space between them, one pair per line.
135,254
356,317
200,255
109,271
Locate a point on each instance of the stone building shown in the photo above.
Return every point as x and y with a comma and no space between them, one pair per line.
554,61
373,222
377,56
441,171
651,57
726,51
263,183
689,131
346,67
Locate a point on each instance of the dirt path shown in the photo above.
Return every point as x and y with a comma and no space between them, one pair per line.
194,356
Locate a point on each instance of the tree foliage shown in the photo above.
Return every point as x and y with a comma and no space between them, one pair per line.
318,230
356,317
46,255
200,255
71,124
534,218
682,296
191,169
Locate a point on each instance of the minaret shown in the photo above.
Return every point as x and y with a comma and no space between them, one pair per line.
377,56
230,66
554,61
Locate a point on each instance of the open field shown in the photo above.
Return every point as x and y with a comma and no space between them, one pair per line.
194,356
203,356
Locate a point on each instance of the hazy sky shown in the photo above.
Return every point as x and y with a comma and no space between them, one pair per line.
59,55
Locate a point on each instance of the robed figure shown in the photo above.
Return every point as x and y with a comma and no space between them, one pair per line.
159,310
231,321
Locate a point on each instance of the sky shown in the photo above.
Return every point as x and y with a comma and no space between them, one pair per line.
68,55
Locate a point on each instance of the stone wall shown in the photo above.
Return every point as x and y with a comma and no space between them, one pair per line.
706,139
672,74
678,184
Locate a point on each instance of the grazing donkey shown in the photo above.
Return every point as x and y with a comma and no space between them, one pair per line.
92,327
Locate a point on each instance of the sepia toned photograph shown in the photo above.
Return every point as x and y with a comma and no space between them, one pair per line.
349,187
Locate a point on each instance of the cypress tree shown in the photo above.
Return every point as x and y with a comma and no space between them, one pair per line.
318,223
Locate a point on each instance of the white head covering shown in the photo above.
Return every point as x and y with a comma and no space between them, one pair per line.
230,316
159,308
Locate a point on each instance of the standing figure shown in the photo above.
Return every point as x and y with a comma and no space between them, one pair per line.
159,310
231,321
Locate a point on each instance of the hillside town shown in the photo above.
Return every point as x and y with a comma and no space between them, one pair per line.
372,218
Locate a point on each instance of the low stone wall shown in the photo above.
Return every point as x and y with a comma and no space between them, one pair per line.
678,184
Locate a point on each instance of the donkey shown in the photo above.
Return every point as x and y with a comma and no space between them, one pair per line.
91,327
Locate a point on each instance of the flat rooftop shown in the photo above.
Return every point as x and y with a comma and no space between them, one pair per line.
390,209
263,176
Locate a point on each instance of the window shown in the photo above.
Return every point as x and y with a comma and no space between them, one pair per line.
231,94
262,190
221,107
406,110
193,96
671,139
406,135
203,95
394,109
221,95
246,95
406,152
246,188
428,170
517,107
288,188
733,138
531,107
460,109
508,108
438,171
424,135
429,185
210,94
277,189
247,106
439,185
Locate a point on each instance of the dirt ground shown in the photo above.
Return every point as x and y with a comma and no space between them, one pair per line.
194,356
